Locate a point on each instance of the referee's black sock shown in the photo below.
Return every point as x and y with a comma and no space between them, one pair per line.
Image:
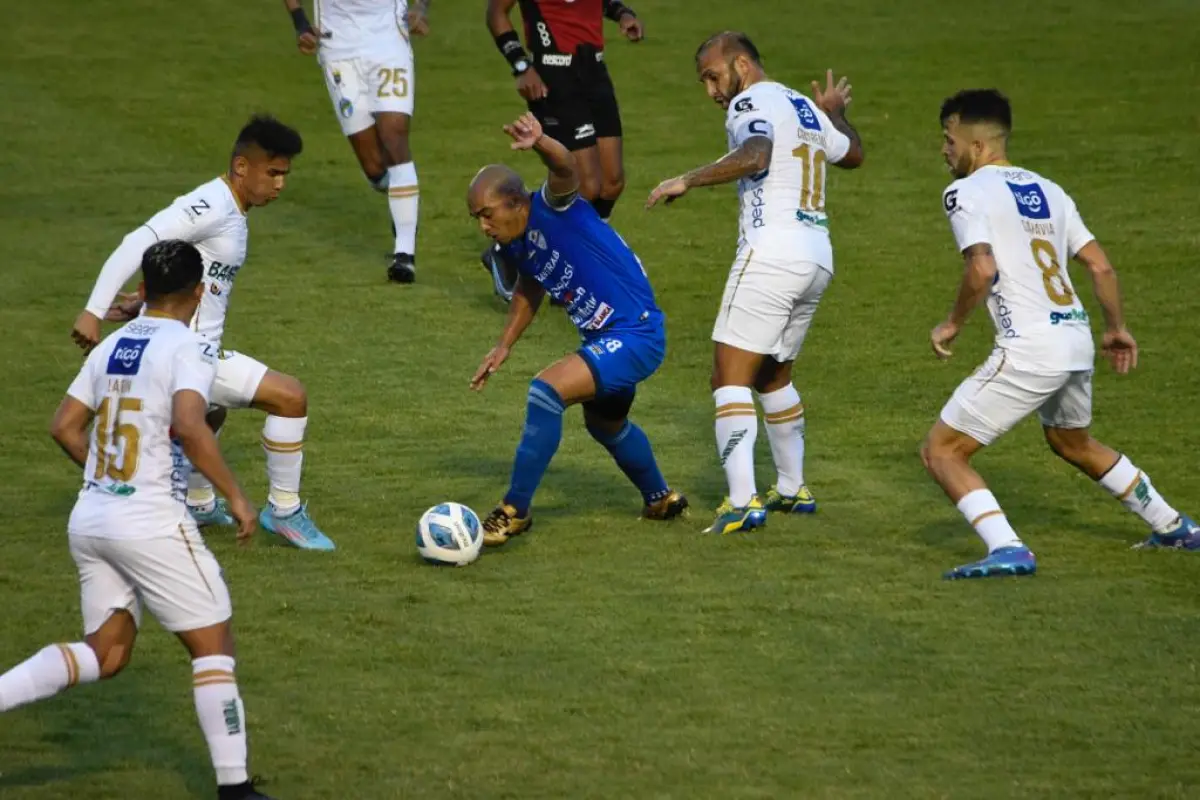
604,207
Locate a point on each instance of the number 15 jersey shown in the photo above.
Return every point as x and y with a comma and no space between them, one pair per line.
1033,228
783,207
135,479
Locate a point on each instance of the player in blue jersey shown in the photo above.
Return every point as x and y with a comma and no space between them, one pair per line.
563,248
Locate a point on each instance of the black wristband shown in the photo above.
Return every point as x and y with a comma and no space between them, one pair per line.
300,22
615,9
510,47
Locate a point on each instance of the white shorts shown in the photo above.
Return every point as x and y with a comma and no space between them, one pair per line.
381,80
174,576
999,395
769,304
237,380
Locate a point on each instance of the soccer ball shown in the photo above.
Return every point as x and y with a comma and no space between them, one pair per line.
449,533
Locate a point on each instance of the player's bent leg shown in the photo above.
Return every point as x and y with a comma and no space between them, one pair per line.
392,129
286,403
783,412
946,454
1128,484
368,150
736,425
564,383
607,420
612,175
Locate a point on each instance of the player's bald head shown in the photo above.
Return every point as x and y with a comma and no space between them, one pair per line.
495,182
730,45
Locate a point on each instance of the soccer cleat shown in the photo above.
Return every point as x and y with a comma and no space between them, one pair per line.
296,528
240,791
1184,536
217,515
403,269
503,524
494,263
998,563
800,503
669,507
731,519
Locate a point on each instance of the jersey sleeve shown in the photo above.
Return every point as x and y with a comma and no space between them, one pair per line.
1078,234
747,118
83,388
194,367
968,221
837,144
557,203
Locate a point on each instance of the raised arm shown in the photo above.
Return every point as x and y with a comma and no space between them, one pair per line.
562,183
833,100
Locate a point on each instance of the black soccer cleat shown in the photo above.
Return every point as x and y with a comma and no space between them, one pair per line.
504,277
403,269
240,791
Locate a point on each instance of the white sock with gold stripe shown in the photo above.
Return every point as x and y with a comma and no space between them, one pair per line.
1132,487
785,430
737,428
983,512
403,200
222,717
46,673
283,442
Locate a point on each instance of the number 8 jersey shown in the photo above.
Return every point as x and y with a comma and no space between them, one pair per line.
1033,228
783,208
135,480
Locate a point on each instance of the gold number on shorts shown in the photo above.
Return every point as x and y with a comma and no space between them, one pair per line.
116,441
1052,273
393,82
812,177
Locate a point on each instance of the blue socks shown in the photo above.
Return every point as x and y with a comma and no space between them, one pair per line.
631,450
539,442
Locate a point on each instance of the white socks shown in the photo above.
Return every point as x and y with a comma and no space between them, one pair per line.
46,673
737,428
222,717
403,199
283,442
1133,488
785,430
983,512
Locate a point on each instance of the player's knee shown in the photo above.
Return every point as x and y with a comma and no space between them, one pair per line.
938,455
611,186
589,187
291,398
112,658
1070,446
394,140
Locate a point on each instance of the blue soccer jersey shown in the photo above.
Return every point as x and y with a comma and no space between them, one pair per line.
585,265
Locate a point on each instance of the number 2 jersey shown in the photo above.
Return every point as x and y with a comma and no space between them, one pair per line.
135,479
1033,228
783,208
585,265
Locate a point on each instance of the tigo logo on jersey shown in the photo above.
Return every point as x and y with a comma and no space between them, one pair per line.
1031,201
126,357
808,119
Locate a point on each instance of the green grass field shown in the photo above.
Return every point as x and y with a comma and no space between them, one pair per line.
601,657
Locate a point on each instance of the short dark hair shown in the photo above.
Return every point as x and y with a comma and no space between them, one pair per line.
269,135
732,42
979,105
171,266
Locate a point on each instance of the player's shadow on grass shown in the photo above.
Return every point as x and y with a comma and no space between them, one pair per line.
115,727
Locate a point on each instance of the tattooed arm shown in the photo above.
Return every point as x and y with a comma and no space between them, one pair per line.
750,158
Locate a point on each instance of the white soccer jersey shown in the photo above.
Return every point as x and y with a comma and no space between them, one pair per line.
356,27
208,217
1033,228
135,480
783,209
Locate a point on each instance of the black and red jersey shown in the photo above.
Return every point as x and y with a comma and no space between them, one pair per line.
563,26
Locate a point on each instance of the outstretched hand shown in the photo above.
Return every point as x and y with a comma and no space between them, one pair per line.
668,192
833,99
525,131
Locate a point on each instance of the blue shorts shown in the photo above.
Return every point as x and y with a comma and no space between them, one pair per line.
622,359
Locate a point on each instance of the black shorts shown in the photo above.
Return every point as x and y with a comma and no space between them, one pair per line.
581,104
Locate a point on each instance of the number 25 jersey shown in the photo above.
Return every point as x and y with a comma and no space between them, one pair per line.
783,207
135,479
1033,228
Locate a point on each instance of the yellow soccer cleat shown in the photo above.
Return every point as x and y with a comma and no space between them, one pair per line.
672,506
502,524
731,519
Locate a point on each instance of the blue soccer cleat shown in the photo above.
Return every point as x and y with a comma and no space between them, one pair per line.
802,502
296,528
998,563
1184,536
218,514
731,519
